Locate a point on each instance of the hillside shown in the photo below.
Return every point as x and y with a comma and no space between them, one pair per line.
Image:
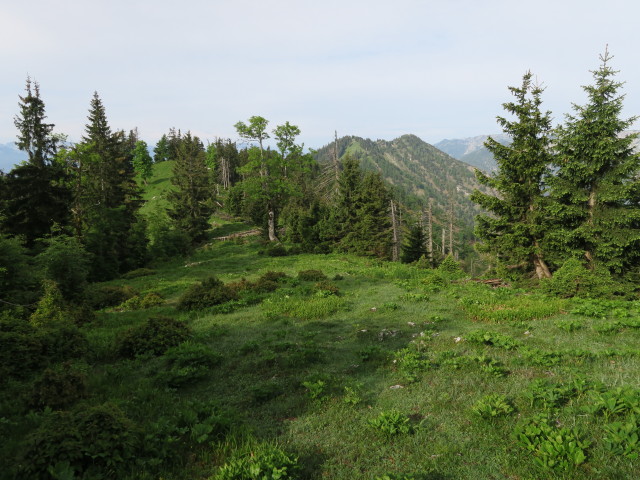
416,170
10,156
348,367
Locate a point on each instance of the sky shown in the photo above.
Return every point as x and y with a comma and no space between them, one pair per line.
376,69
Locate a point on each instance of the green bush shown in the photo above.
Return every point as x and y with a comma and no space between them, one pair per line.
103,296
59,386
187,363
573,279
151,299
21,349
94,442
154,337
263,461
51,308
139,272
311,275
278,250
209,293
451,268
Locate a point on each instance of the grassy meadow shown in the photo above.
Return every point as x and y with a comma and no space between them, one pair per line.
377,371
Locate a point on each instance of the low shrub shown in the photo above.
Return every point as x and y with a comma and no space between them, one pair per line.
154,337
187,363
311,275
21,349
94,442
59,386
573,279
103,296
209,293
139,272
151,299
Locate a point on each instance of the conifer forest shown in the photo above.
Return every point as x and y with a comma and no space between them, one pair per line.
249,308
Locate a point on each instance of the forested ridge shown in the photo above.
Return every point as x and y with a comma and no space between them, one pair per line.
236,309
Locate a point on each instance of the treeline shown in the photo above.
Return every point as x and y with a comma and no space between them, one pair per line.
568,199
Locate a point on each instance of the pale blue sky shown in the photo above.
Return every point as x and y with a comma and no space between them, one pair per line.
378,69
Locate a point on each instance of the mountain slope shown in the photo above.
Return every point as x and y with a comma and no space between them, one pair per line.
472,150
416,170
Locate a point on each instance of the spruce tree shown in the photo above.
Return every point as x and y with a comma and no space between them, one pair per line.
142,161
596,187
35,136
161,151
415,245
515,229
191,201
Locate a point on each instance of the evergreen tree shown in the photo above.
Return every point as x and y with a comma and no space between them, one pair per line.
361,220
415,245
515,230
191,201
596,187
161,151
35,136
34,196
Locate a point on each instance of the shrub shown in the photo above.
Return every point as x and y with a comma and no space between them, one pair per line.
326,288
206,294
51,308
94,442
21,349
139,272
451,267
59,386
311,275
103,296
573,279
151,299
263,461
278,250
188,363
154,337
62,342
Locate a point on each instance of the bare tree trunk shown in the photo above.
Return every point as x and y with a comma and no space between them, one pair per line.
430,232
451,227
444,240
395,251
272,225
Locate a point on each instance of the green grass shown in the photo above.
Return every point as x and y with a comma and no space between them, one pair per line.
397,342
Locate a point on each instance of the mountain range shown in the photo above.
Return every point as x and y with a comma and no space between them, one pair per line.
10,156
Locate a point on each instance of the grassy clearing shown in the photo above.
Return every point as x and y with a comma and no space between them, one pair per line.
384,375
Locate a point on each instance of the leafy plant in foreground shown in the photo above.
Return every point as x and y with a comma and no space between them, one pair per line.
492,406
392,423
263,461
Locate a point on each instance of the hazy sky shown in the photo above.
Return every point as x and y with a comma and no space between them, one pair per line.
378,69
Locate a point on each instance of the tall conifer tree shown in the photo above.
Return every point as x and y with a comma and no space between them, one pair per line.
514,232
596,187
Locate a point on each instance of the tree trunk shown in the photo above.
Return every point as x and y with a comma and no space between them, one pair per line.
430,233
395,252
272,226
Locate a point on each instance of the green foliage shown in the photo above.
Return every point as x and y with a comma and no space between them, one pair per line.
451,268
595,187
495,339
492,406
206,294
316,389
573,279
59,386
191,200
414,247
154,337
51,309
548,395
95,441
142,161
187,363
138,272
103,296
619,401
17,276
410,363
65,262
391,423
263,461
554,449
138,302
517,225
621,438
311,275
